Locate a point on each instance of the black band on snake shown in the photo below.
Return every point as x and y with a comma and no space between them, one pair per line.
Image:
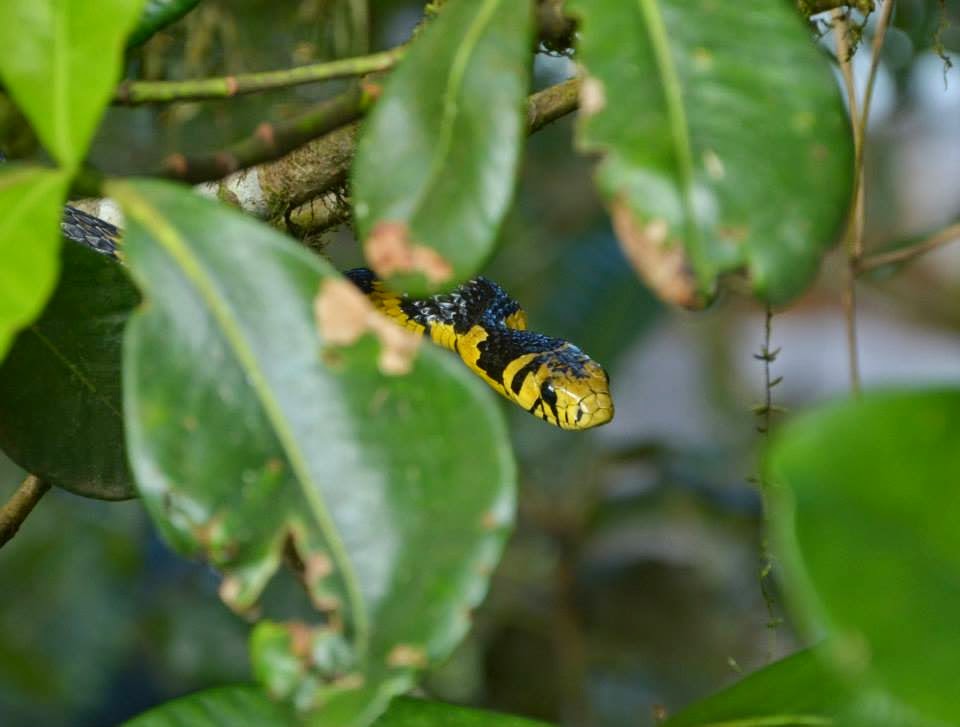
549,377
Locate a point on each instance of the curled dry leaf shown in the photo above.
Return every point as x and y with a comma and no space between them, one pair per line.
661,263
390,250
344,314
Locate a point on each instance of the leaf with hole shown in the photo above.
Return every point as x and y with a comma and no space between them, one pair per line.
437,159
724,142
249,431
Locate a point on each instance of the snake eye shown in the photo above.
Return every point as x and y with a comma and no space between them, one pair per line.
548,394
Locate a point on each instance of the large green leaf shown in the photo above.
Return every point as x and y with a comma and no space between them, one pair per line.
408,712
867,520
724,140
248,706
234,706
797,690
244,428
60,400
437,158
157,15
30,202
60,61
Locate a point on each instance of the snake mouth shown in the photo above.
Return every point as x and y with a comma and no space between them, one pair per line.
593,410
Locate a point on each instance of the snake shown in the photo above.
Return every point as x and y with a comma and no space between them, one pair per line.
549,377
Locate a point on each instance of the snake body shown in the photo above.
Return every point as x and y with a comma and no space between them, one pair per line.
549,377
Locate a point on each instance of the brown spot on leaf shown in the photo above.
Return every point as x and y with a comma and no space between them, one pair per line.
660,262
348,681
406,655
593,96
390,249
489,521
736,234
274,465
344,314
229,591
318,566
301,640
265,133
190,423
176,164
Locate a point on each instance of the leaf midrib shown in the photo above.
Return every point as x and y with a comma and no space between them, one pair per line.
190,266
450,106
677,117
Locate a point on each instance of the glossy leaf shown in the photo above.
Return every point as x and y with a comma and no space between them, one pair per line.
30,201
236,706
157,15
797,690
248,706
245,429
437,158
60,399
408,712
60,61
724,140
867,519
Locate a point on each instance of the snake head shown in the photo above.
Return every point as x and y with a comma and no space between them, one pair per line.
569,389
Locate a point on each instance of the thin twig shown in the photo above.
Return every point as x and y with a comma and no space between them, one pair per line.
903,254
321,166
269,141
16,509
765,411
132,93
855,227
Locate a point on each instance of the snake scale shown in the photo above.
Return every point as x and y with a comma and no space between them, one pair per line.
549,377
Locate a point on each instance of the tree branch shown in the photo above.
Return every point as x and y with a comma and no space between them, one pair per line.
269,141
16,509
303,181
903,254
132,93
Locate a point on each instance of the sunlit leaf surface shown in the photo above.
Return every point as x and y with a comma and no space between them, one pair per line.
60,61
30,201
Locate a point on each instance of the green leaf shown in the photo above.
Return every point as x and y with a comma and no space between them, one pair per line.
437,158
248,706
724,140
60,61
792,692
157,15
409,712
245,429
867,521
234,706
30,202
60,399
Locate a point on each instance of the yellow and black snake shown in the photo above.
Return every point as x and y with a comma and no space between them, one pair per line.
549,377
